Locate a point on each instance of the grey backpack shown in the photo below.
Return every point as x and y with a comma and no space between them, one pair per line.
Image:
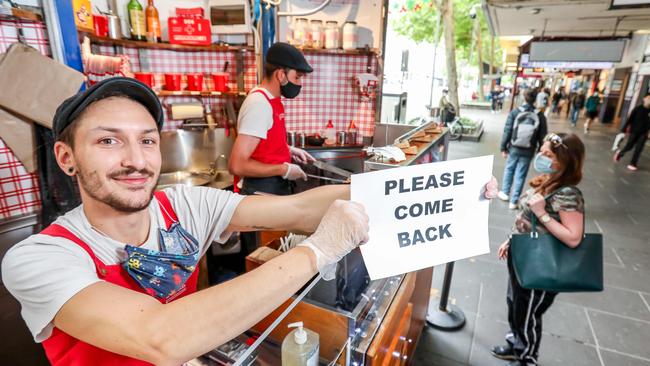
524,128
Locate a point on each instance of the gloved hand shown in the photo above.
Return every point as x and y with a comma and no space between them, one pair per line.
300,156
343,227
294,172
491,189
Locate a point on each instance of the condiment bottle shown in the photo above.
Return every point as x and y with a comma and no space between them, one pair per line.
330,134
352,133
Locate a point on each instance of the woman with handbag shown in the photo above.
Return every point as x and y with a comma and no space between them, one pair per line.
557,204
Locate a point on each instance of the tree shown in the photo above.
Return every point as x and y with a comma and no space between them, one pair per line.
418,22
447,10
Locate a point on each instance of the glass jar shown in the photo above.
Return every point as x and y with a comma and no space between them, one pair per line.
332,35
350,35
317,35
300,30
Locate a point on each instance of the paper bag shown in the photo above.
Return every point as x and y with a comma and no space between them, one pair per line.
34,85
18,134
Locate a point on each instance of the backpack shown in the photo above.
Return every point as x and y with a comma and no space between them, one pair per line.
524,128
545,100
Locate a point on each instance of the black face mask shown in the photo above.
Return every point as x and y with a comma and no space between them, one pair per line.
290,90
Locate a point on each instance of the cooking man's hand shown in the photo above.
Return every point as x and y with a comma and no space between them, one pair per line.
294,172
300,155
537,204
504,154
491,189
503,250
343,227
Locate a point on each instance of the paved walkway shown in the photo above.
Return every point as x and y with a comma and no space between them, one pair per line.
610,328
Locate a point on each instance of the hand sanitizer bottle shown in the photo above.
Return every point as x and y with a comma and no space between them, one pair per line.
300,347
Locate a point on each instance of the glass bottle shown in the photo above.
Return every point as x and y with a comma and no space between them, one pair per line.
153,23
136,17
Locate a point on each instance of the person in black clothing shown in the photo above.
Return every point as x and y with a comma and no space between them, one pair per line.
555,102
519,158
576,106
638,126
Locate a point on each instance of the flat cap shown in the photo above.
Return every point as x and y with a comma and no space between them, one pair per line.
72,107
286,55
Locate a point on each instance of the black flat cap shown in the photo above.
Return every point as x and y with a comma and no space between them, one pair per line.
72,107
286,55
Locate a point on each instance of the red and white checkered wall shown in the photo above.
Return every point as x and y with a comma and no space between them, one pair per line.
19,193
327,94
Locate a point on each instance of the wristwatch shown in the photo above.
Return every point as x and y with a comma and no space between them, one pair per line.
545,218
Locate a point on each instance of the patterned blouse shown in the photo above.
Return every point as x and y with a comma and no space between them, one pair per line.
565,199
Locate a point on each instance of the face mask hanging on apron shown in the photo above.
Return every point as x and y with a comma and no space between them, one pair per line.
163,273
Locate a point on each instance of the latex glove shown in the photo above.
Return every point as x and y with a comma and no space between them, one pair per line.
294,172
300,156
343,227
490,190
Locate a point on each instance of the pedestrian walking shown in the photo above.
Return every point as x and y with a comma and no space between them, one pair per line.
638,126
495,94
591,107
555,102
541,102
522,136
576,106
559,207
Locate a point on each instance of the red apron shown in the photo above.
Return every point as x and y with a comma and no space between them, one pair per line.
273,149
63,349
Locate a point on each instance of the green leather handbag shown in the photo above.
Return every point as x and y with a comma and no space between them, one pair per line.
543,262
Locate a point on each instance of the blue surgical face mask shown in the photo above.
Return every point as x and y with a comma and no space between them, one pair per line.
543,164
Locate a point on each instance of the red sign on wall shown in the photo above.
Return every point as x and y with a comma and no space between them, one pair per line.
190,31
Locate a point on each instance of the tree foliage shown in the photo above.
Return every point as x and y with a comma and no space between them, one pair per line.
419,24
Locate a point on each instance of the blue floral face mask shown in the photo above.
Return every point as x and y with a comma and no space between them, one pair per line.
543,164
163,273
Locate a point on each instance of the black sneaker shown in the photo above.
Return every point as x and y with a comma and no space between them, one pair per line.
518,363
504,352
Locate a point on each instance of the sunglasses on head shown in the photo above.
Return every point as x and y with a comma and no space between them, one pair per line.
555,140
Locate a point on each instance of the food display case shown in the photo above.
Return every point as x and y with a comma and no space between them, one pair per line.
359,321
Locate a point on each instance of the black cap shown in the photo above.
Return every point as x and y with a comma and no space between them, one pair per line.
72,107
286,55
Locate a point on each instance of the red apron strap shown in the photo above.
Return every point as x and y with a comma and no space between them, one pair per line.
263,93
61,232
166,208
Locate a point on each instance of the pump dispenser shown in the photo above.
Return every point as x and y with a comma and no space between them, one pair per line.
300,347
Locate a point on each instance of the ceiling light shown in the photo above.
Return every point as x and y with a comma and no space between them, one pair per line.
535,11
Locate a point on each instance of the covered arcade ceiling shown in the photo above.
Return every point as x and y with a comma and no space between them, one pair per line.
567,18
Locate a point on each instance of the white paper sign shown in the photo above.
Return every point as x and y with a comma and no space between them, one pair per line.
424,215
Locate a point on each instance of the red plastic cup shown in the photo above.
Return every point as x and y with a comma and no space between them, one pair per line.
145,77
220,80
100,22
173,82
195,82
